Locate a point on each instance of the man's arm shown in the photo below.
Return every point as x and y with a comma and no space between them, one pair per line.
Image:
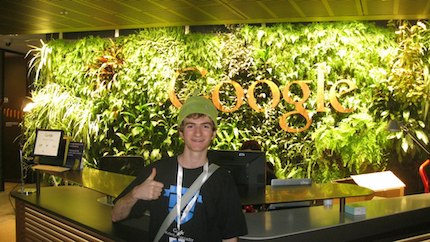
123,206
230,240
150,189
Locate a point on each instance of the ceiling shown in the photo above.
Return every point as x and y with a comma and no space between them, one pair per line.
34,18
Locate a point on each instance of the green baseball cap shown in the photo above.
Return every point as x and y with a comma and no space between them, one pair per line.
198,104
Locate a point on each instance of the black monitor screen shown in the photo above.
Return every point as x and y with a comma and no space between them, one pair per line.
127,165
248,168
48,143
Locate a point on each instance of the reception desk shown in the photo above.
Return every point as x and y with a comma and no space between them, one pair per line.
312,192
112,184
385,220
109,183
72,213
65,213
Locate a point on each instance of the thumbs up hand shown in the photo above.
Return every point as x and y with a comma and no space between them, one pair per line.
150,189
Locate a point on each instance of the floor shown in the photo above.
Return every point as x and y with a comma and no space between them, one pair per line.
7,213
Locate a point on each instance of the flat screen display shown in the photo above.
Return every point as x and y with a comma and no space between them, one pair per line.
248,168
48,142
127,165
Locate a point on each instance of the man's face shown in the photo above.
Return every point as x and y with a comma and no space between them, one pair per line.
197,133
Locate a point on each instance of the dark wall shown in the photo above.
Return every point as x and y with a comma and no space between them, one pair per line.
15,88
1,118
408,173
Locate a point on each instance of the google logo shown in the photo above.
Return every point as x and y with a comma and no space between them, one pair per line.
334,95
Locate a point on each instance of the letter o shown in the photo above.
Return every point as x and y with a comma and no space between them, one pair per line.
276,95
239,94
171,92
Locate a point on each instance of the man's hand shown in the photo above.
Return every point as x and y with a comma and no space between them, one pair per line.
150,189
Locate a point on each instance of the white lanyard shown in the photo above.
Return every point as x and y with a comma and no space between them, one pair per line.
191,203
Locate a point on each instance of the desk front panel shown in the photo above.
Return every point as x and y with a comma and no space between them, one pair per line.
65,212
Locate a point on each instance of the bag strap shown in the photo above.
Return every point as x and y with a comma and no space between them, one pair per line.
185,199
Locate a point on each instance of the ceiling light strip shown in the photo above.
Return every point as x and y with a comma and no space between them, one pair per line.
360,9
199,9
267,9
297,8
427,7
233,9
328,8
138,10
365,7
396,7
166,8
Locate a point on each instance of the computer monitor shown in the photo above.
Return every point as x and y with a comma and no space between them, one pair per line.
127,165
248,168
49,146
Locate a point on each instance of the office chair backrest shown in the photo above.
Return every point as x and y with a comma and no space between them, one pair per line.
127,165
423,174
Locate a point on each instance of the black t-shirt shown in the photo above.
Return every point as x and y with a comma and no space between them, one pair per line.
216,215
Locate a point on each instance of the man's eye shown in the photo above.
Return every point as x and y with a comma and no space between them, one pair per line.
207,126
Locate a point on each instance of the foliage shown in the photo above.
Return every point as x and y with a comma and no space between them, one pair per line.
409,78
352,146
404,96
113,94
55,108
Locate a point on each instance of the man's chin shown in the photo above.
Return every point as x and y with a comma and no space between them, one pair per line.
199,148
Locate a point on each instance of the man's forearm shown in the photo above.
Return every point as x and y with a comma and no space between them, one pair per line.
230,240
122,207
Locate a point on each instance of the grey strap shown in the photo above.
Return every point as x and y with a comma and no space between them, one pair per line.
185,199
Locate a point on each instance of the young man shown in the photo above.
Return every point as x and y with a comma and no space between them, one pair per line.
214,213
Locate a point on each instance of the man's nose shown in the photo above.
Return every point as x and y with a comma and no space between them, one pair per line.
198,130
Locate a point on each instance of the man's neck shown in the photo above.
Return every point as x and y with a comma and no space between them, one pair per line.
191,160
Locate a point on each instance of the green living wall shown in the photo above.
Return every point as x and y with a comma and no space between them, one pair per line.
113,94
